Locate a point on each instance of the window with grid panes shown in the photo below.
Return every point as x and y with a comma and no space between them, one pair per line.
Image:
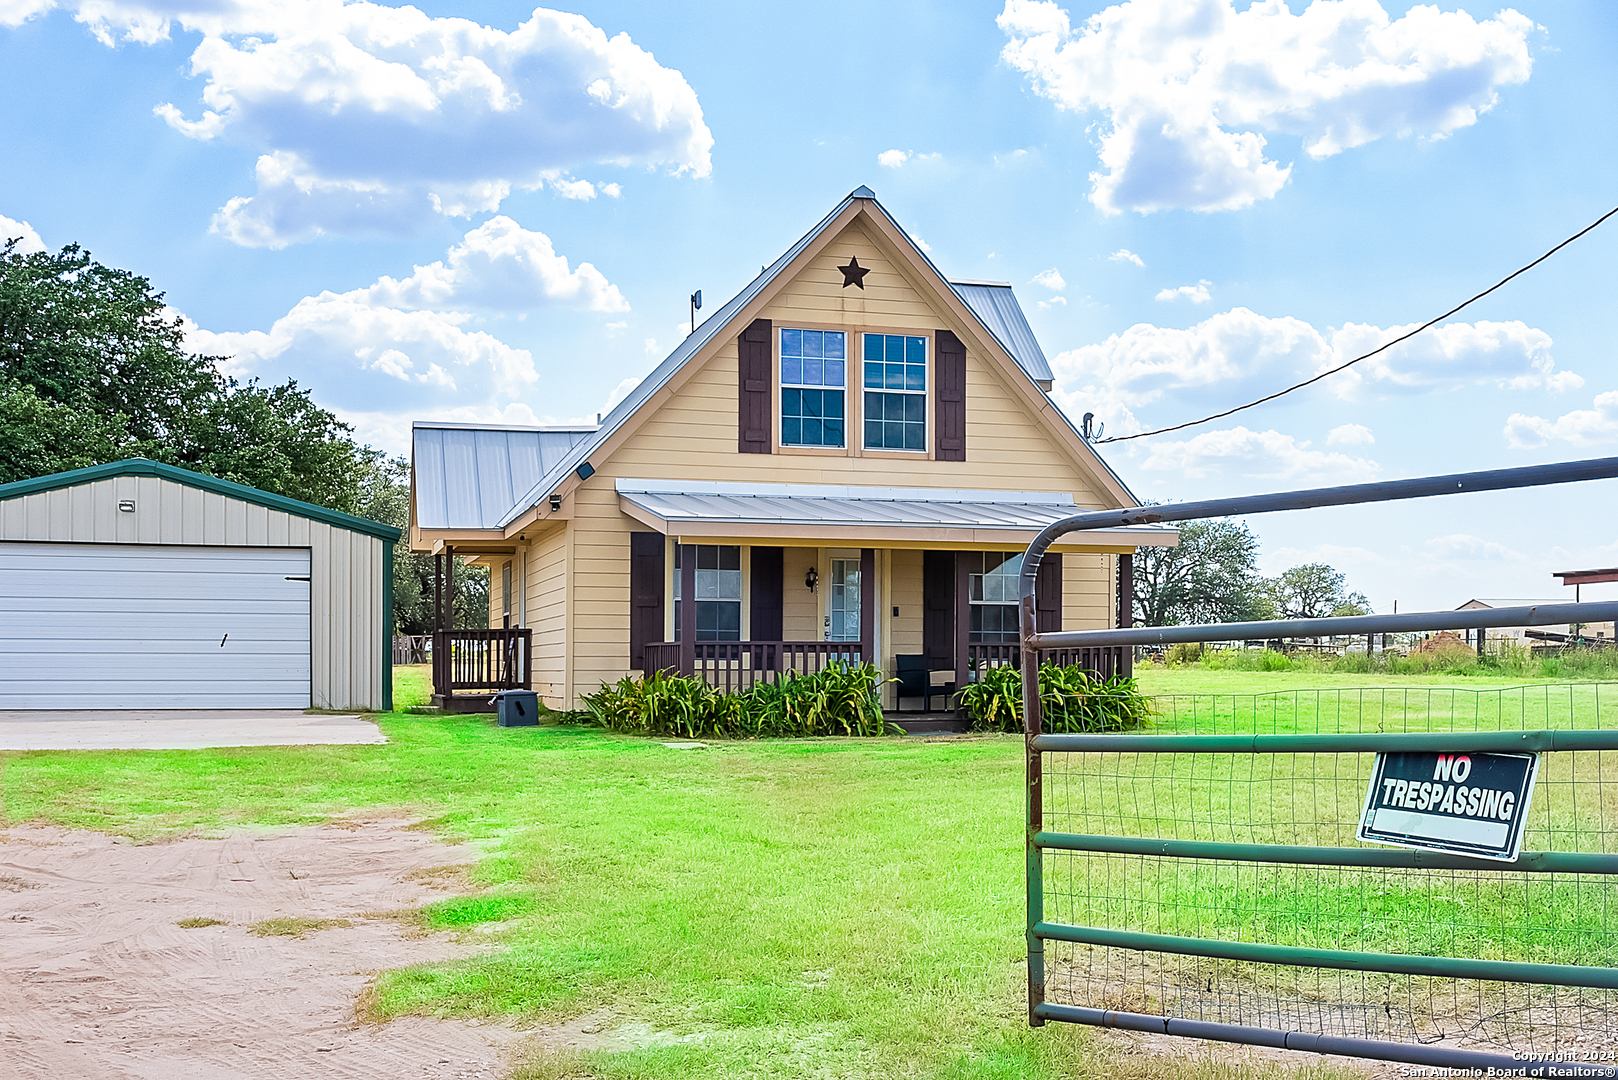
813,381
895,383
719,592
992,587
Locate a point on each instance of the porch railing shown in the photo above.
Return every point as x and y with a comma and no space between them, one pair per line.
482,660
740,665
1103,660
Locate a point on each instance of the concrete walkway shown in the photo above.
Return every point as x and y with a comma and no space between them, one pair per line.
178,729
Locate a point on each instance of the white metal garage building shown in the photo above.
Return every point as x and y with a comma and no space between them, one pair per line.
138,585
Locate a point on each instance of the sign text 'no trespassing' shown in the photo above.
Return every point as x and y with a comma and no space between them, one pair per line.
1466,804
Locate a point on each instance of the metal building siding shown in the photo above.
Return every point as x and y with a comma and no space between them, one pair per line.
153,626
344,568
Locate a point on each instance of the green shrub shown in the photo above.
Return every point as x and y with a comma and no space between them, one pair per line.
837,700
1071,700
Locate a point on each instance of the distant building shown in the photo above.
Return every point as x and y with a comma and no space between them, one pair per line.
1601,631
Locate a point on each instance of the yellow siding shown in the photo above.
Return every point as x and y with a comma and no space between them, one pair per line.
345,568
548,615
1086,591
578,582
800,608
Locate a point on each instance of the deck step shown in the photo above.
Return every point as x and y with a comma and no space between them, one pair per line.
930,723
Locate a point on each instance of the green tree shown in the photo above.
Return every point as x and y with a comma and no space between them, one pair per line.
1313,591
1210,576
93,368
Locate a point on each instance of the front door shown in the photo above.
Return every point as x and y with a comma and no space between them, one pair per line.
843,601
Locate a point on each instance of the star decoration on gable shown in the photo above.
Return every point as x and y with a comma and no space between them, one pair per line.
854,273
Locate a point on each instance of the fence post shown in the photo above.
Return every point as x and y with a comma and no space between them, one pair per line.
1032,721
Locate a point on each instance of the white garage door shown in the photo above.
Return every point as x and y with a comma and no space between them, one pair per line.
126,626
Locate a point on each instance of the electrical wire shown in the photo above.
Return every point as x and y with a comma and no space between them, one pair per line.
1373,352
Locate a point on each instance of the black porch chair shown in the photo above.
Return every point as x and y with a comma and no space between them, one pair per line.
915,680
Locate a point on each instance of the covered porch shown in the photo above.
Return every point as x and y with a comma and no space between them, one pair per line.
921,584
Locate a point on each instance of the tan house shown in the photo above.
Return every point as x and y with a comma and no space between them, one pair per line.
843,462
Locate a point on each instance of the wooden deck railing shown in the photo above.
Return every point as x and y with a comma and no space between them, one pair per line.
1105,660
740,665
482,660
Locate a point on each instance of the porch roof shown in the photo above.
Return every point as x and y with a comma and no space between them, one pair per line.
845,512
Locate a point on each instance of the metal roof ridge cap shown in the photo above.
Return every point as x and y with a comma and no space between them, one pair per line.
456,425
985,282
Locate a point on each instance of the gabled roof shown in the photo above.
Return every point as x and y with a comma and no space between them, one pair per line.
991,303
468,476
996,307
203,482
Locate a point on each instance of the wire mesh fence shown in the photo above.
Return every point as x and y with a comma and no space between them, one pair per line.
1566,920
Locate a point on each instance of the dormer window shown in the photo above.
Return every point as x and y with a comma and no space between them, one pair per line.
813,384
895,380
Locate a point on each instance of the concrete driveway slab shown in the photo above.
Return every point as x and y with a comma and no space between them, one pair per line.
179,729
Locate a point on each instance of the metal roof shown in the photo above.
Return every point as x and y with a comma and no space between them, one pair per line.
996,307
812,505
468,476
203,482
1008,320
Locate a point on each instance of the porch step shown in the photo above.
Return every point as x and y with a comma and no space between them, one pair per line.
929,723
464,703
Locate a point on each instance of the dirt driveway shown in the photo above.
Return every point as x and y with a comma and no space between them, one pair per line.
98,979
178,729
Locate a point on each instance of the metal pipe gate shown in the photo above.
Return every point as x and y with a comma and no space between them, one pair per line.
1205,860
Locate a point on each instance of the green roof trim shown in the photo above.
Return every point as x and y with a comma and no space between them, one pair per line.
147,467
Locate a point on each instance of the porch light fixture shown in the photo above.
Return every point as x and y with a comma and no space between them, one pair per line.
811,579
556,501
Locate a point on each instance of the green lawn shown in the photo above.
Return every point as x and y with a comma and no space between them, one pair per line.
819,908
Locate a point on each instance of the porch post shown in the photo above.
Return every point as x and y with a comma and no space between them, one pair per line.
449,587
963,614
868,605
688,609
438,592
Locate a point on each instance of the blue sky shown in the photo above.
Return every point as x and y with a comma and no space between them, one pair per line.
487,212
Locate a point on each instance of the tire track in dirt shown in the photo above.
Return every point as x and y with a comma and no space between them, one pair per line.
96,978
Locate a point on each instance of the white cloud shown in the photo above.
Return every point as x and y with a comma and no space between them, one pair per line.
373,117
1266,454
1125,255
1051,279
28,240
1466,546
892,159
381,353
651,346
1197,294
1185,84
1350,435
582,190
1582,427
1247,355
612,191
919,242
499,266
1055,301
1512,355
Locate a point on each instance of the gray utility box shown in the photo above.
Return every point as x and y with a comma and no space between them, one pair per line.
516,708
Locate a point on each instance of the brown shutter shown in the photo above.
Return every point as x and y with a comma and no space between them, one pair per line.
938,609
755,378
766,595
1048,594
1126,590
645,594
949,398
